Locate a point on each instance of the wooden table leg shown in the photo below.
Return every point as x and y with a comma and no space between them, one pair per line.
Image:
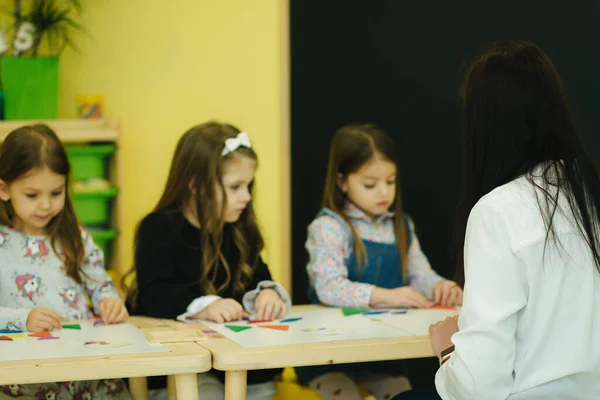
171,391
138,387
235,385
187,386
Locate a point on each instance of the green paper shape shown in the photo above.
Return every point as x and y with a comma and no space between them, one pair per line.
351,311
236,328
73,326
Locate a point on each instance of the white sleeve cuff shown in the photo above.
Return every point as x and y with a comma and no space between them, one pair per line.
250,296
198,304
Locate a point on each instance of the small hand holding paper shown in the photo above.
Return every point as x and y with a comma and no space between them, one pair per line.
113,310
447,293
269,305
222,310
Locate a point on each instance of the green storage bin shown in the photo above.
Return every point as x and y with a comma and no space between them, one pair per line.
93,208
89,162
103,239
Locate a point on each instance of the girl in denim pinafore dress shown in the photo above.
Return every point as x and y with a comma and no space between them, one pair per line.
364,253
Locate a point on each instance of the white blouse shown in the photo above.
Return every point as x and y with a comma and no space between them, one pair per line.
530,321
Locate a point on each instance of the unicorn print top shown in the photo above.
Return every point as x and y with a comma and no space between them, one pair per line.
32,275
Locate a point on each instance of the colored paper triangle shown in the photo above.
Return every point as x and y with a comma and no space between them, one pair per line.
48,338
290,320
40,334
5,331
259,321
276,327
237,328
5,338
72,326
351,311
17,336
442,307
375,312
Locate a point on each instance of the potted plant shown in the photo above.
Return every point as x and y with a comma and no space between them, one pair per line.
42,29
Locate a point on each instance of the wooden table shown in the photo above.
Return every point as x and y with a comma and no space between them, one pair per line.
183,362
236,360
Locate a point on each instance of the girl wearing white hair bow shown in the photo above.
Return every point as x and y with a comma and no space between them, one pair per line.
197,255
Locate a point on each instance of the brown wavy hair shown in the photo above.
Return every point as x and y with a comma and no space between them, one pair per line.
351,148
198,161
37,146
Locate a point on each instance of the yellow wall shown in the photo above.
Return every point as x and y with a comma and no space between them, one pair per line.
165,66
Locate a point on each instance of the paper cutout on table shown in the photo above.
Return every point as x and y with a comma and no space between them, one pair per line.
5,338
259,321
288,320
375,312
276,327
40,334
352,311
72,326
442,307
237,328
208,331
102,342
313,330
5,331
398,312
98,322
48,338
17,336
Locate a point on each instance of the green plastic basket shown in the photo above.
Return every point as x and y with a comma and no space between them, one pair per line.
93,208
89,162
103,239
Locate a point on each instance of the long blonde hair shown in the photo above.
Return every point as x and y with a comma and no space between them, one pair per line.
351,148
198,159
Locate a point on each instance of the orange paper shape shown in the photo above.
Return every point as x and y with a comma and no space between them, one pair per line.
41,334
443,307
276,327
5,338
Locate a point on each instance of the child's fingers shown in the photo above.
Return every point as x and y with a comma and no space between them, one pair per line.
114,312
46,322
52,318
269,311
245,314
122,316
446,296
437,294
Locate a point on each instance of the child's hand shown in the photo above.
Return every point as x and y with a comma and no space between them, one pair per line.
269,305
407,296
223,310
113,310
447,293
43,319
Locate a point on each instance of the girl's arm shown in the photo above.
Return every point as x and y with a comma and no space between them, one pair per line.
262,280
96,281
160,293
421,276
327,245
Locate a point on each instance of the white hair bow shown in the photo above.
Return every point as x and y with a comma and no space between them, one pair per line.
232,144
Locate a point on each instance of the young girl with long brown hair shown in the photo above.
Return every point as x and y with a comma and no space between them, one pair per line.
198,252
47,263
364,252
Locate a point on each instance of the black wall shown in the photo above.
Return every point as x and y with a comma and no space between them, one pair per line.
398,64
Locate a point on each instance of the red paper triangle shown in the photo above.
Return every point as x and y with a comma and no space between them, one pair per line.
259,321
5,338
276,327
442,307
41,334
